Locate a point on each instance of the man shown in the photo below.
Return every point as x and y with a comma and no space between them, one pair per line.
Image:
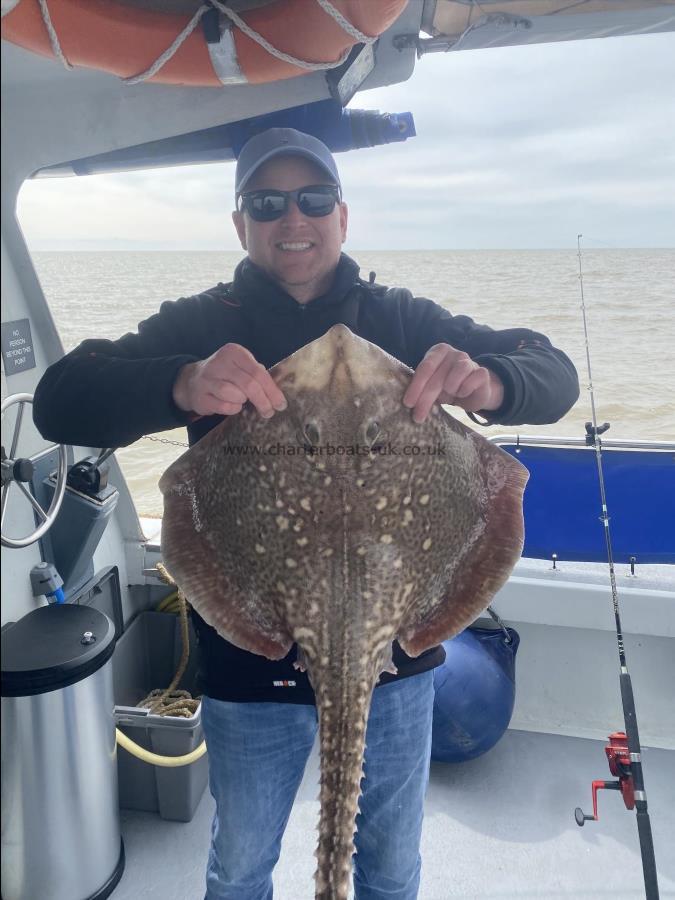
204,357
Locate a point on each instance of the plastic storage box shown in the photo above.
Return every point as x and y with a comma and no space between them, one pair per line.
146,657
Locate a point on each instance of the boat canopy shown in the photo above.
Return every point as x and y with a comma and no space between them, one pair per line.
472,24
102,121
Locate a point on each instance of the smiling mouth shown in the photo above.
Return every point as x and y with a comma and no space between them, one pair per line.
294,246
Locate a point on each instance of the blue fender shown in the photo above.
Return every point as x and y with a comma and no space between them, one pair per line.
475,693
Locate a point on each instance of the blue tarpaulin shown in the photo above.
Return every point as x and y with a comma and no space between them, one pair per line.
563,510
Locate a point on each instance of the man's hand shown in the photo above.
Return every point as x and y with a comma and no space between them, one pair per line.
447,375
221,385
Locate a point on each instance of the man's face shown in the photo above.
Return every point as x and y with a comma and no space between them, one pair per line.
299,252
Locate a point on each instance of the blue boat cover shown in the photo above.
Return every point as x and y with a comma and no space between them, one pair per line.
563,510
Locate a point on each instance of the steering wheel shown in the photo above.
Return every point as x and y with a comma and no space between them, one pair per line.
20,470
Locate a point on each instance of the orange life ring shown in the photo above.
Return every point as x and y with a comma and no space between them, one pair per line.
125,41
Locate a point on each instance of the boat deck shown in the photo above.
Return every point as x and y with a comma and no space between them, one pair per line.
501,826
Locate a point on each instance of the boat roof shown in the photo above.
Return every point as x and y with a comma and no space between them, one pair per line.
86,112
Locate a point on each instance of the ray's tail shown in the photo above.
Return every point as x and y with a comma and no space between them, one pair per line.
343,716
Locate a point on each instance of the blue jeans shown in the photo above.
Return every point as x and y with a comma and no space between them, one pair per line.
257,756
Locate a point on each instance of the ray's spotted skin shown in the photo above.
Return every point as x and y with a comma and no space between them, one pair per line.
341,551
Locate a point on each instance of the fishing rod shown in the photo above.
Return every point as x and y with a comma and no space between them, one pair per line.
623,751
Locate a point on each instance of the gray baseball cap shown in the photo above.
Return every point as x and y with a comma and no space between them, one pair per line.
277,142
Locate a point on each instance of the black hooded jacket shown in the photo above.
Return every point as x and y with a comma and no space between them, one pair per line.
111,393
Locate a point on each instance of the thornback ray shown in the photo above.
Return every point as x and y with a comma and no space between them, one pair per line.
342,525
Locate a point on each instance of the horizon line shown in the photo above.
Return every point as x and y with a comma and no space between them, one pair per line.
150,249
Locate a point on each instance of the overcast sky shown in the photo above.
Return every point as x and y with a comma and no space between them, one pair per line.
516,148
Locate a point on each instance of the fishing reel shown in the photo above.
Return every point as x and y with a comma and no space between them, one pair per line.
618,757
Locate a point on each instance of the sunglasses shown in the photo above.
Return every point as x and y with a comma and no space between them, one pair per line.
268,205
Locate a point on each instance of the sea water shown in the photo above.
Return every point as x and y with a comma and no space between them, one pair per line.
630,301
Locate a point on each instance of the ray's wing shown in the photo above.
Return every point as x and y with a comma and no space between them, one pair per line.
486,561
198,556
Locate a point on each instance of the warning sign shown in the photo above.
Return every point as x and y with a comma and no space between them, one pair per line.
17,347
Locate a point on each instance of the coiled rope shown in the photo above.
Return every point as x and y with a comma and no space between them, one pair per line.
172,702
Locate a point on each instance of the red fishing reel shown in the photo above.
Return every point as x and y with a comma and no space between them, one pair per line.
618,757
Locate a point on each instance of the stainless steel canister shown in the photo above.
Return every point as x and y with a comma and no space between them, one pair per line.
60,815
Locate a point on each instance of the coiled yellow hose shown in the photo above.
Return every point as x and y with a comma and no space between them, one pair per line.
154,758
